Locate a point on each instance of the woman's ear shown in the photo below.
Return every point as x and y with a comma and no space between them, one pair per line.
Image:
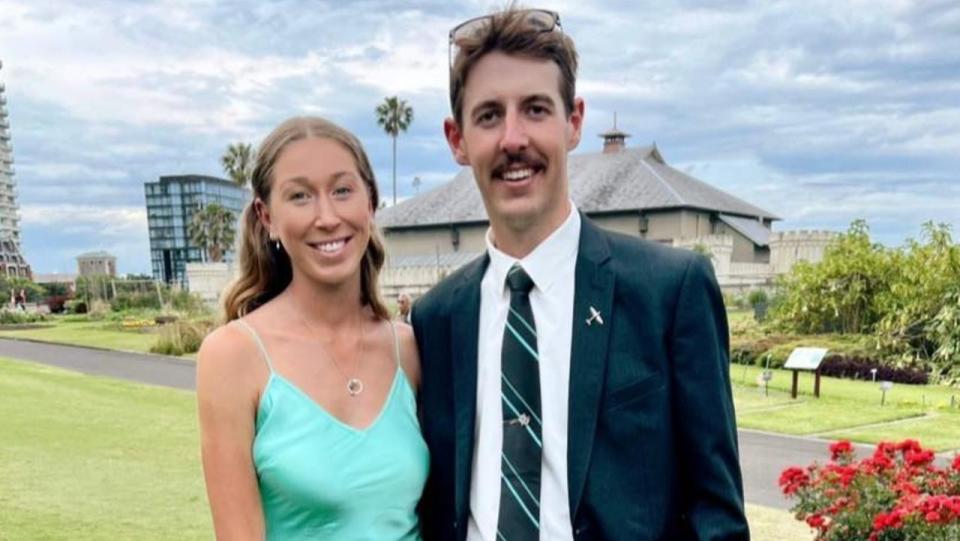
263,214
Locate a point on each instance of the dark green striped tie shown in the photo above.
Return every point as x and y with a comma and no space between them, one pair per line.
522,440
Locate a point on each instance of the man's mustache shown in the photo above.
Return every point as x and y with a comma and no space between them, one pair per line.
506,161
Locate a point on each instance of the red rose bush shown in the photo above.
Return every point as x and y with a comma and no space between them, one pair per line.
897,494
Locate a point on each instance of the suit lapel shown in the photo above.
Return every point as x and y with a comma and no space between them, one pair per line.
593,288
465,329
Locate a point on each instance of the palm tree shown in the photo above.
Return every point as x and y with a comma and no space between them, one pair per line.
394,116
237,163
212,229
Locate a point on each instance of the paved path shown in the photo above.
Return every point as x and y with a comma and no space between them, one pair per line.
763,456
141,367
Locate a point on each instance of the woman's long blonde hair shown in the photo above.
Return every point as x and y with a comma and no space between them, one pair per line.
265,271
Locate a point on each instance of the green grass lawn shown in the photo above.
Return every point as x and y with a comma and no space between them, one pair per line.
87,458
845,406
88,333
939,432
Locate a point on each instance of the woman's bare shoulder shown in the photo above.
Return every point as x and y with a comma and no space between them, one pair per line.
229,356
409,355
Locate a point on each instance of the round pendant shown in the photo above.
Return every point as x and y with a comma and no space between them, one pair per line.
354,386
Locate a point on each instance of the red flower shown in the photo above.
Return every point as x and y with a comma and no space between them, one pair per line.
793,479
909,445
816,521
918,457
879,462
842,448
886,448
898,488
883,521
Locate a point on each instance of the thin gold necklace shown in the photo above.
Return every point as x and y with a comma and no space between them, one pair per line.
354,383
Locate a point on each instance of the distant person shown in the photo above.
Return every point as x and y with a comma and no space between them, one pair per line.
21,300
403,307
575,381
306,396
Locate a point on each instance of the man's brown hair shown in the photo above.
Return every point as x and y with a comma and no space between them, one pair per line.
509,32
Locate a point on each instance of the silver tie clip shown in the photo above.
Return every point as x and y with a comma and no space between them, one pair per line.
522,420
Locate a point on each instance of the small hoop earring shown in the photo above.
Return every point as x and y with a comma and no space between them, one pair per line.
277,242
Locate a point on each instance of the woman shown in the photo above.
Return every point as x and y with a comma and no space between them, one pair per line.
306,396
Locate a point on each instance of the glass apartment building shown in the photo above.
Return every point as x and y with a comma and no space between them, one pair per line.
171,202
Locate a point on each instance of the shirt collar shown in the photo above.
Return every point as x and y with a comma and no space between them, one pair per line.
542,263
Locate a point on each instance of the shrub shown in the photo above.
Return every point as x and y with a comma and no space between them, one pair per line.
908,297
927,278
751,350
187,302
98,309
76,306
19,317
841,293
135,300
181,337
897,494
855,367
756,297
945,331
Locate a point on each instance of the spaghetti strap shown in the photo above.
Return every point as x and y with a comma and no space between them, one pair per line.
256,338
396,343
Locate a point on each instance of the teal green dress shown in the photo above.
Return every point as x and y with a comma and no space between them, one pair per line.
320,478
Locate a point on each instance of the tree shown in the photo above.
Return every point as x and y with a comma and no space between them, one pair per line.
394,116
237,163
212,229
842,293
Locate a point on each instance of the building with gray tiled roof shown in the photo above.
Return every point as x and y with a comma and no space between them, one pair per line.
632,180
629,190
632,190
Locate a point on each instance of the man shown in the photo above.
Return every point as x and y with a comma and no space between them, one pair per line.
403,307
575,381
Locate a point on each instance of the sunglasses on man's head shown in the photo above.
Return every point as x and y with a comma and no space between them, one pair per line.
539,20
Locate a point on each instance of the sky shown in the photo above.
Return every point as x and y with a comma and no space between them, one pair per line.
820,112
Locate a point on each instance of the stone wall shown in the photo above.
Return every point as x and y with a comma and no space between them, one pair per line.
786,249
209,280
789,247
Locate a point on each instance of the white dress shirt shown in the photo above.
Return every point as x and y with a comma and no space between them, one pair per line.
551,266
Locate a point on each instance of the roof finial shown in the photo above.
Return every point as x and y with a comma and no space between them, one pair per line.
614,140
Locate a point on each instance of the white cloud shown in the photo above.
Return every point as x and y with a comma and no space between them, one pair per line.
819,111
101,221
64,170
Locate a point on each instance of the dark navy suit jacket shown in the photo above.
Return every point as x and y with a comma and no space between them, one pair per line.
652,443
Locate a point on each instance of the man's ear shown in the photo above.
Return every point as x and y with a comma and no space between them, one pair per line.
455,139
575,124
263,214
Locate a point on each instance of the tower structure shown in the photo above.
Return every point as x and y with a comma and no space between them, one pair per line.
12,262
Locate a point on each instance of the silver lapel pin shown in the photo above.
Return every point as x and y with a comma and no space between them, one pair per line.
594,316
